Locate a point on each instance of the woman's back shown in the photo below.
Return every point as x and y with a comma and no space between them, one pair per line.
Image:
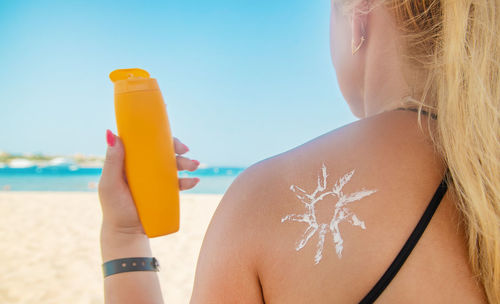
391,171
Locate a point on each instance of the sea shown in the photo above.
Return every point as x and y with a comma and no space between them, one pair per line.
213,180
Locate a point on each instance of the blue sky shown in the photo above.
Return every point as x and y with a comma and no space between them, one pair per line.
243,80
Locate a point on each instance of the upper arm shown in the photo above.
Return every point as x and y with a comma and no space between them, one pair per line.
226,271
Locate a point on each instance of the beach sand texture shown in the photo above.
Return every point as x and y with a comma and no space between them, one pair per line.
49,249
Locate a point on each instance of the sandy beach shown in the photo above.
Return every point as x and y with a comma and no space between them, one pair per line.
49,249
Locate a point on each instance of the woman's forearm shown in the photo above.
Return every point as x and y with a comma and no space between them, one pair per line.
122,234
128,287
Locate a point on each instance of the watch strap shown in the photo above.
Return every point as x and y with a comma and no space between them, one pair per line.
130,264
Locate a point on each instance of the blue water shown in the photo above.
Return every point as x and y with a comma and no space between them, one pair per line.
214,180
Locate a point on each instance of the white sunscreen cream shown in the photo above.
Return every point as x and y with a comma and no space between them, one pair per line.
339,214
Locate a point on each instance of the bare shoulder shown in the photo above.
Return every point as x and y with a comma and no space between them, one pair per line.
322,222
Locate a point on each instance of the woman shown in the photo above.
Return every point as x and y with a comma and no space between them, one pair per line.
323,223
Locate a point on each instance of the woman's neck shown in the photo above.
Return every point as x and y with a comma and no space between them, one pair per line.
384,85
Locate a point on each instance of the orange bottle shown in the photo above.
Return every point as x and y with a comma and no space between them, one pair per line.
150,163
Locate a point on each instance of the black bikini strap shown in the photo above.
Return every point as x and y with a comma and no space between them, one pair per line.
408,246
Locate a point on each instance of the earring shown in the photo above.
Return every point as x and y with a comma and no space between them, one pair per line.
354,48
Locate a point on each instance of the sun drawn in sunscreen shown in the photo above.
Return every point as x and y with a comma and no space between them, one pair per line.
339,214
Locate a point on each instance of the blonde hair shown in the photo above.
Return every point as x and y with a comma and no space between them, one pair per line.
455,45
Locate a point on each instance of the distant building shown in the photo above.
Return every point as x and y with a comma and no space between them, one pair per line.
21,163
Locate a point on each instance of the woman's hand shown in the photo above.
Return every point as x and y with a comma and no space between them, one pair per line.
118,208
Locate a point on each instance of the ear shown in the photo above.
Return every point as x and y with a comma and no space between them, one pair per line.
359,24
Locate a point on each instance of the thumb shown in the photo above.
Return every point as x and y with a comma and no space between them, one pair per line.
113,171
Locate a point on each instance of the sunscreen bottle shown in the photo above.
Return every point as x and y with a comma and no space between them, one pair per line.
150,162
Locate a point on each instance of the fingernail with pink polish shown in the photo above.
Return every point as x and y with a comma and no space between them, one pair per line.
196,179
196,162
110,138
185,147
